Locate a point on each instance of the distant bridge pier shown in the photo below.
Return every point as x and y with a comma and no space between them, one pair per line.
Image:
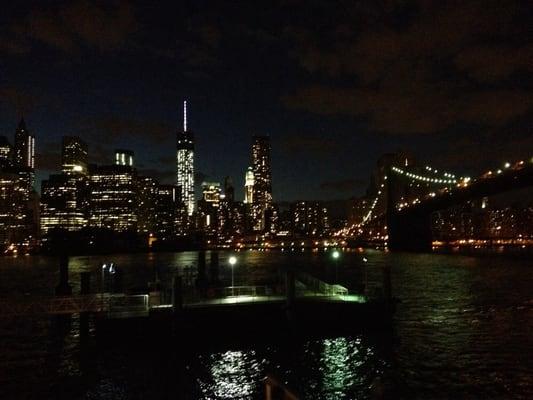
409,231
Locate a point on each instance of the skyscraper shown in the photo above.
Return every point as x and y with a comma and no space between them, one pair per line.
74,156
24,147
5,153
64,202
249,186
185,164
229,189
262,187
14,214
113,198
124,157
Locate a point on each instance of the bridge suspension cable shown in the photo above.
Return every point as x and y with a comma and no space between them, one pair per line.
448,179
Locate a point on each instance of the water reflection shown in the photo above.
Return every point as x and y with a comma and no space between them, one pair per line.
468,314
233,375
337,374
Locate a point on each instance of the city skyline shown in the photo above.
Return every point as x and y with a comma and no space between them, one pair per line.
338,106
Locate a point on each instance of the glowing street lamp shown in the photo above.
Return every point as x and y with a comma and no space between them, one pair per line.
336,254
232,261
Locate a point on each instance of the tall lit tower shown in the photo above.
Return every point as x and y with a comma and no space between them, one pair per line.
185,164
262,186
249,186
74,156
24,147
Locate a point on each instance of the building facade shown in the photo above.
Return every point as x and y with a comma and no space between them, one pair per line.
262,185
74,156
113,198
185,164
64,203
24,147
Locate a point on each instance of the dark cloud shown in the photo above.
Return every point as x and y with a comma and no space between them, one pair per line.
20,100
417,78
492,62
343,186
412,107
113,128
310,144
72,25
511,143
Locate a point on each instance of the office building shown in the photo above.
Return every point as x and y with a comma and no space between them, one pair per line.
249,186
5,153
64,203
310,218
124,157
171,214
229,189
185,164
146,204
262,186
74,156
208,208
15,215
24,148
113,198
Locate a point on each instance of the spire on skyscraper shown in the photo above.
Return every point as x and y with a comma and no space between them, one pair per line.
185,116
22,124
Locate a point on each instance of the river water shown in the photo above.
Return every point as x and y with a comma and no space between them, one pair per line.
463,329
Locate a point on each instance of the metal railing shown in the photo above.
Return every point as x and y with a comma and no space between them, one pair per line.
97,303
317,287
231,295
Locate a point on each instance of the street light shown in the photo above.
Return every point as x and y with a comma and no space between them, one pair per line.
104,266
232,261
336,254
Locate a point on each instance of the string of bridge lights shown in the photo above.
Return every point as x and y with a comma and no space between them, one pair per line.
374,203
449,178
446,178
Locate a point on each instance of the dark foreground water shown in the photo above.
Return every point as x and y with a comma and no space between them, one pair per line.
464,329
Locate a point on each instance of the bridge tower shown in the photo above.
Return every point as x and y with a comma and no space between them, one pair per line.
408,230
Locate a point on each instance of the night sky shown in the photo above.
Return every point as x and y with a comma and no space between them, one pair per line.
335,84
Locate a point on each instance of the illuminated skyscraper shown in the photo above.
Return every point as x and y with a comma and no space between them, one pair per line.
229,190
73,156
64,202
249,186
262,186
24,147
208,207
170,213
5,153
146,203
124,157
14,215
113,198
185,164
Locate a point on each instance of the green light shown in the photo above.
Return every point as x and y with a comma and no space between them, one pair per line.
336,254
232,260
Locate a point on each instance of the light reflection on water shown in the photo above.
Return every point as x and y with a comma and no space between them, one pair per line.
337,370
233,375
467,314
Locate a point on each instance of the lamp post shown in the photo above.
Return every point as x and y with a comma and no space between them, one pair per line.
232,261
104,266
336,254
